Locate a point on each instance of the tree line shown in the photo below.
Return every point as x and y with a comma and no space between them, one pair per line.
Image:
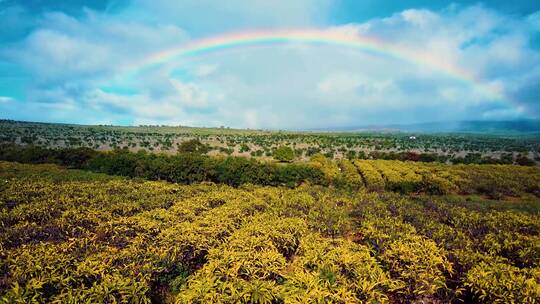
185,167
191,165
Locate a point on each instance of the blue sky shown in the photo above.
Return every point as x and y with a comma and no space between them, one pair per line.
62,61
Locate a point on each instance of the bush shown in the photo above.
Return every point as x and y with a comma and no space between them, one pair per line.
350,177
419,264
503,283
326,166
293,175
235,171
372,178
284,154
193,146
432,184
525,161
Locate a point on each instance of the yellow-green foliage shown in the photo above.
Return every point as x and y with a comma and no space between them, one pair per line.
503,283
335,271
249,266
433,184
398,176
372,178
418,263
74,237
495,181
349,177
327,166
453,240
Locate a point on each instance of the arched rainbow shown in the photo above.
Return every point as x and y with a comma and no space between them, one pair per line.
328,37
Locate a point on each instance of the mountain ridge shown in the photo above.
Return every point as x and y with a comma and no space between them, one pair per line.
524,126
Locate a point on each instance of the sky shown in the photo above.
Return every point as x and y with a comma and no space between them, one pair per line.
110,62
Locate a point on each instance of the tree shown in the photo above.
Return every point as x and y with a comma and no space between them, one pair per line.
244,148
284,154
523,160
192,146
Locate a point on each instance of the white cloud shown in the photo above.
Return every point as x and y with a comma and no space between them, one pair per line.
190,94
534,20
204,16
498,114
280,86
339,83
354,84
206,70
97,46
250,118
420,18
6,99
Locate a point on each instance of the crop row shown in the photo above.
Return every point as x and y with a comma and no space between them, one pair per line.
495,181
69,236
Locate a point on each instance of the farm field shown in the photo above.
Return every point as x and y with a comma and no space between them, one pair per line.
494,181
71,236
262,144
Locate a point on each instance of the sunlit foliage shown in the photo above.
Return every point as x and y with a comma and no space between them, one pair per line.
69,236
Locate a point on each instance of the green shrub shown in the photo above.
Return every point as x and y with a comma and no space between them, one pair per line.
284,154
193,146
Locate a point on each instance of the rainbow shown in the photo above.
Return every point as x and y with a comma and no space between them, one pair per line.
335,37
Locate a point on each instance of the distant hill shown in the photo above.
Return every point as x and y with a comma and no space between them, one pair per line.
530,126
511,127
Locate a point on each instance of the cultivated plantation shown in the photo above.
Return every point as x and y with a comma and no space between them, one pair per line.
183,215
360,231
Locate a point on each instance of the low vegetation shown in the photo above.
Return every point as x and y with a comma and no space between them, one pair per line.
268,219
71,236
284,154
265,145
494,181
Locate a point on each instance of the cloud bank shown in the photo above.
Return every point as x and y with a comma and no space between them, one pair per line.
76,67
